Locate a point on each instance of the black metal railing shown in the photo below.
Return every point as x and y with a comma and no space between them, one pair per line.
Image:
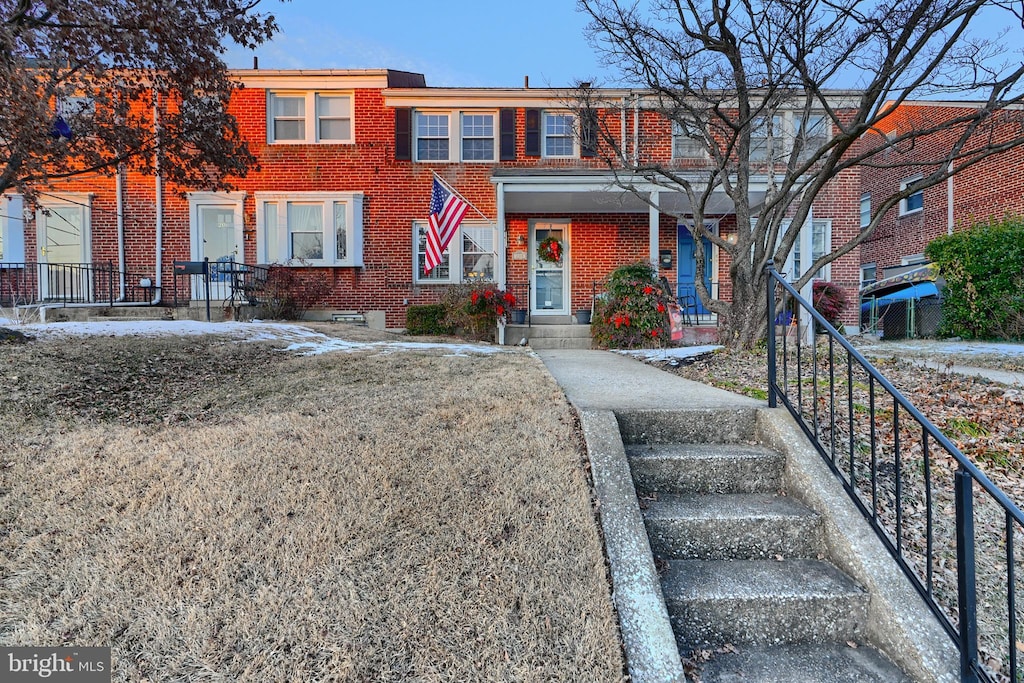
230,283
953,532
31,283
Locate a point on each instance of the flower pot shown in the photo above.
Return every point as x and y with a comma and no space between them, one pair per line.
583,316
517,316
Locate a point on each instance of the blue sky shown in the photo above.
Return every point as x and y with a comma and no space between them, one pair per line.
466,44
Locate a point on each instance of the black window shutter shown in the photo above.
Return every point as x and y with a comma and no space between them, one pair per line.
403,134
588,133
533,132
507,122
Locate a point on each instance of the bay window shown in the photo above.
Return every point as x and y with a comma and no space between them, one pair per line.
310,228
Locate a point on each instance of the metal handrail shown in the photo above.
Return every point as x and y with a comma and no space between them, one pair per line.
821,416
30,283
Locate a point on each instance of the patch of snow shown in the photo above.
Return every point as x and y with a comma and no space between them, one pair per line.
676,353
302,340
941,347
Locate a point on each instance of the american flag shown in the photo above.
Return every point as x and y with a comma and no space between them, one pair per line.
446,212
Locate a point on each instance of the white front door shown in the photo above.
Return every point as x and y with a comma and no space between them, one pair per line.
62,236
218,237
549,277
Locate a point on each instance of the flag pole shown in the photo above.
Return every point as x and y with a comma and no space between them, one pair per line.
468,203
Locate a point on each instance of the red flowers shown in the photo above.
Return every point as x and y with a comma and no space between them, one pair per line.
489,303
661,307
648,290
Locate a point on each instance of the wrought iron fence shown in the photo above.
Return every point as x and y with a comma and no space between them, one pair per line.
230,283
520,315
29,283
955,534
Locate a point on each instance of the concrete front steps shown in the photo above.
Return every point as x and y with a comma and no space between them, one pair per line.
750,592
549,336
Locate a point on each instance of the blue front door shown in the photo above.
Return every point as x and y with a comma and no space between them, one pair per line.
686,274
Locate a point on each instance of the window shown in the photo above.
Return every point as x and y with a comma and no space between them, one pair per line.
868,274
470,256
331,121
865,210
334,118
913,260
766,138
820,241
812,134
686,144
310,228
558,135
432,142
478,137
914,202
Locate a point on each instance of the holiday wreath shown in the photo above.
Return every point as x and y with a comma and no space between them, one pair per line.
550,250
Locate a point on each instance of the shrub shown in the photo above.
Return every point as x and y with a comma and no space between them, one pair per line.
474,310
830,301
984,272
633,311
290,292
427,319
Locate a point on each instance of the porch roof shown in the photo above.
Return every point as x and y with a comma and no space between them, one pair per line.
561,190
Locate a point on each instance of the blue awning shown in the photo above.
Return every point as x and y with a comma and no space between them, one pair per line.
918,291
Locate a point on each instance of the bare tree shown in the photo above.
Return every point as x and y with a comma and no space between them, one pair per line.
80,81
784,96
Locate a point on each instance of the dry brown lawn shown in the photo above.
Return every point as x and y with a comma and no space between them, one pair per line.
224,511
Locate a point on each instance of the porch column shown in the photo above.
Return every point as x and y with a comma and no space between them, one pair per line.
501,268
654,219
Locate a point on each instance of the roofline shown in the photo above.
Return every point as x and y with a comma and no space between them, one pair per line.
952,104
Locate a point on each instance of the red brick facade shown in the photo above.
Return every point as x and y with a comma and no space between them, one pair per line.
395,194
992,188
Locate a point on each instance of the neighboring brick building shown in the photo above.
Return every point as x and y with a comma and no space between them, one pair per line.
991,188
346,164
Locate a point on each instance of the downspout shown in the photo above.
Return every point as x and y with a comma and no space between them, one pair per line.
636,129
119,191
622,136
949,201
159,204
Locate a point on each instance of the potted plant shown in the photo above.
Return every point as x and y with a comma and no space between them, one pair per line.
583,316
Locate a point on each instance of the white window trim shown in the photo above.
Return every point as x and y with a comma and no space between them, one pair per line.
866,197
353,202
677,133
495,138
311,118
913,260
785,134
573,136
197,200
865,266
454,119
903,202
454,256
78,199
12,229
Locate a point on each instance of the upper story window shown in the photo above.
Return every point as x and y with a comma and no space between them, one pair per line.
811,132
559,138
432,141
776,136
686,144
477,137
914,202
310,228
865,210
766,138
454,136
309,117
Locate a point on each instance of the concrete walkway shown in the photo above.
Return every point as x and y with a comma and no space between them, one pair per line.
603,386
602,380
